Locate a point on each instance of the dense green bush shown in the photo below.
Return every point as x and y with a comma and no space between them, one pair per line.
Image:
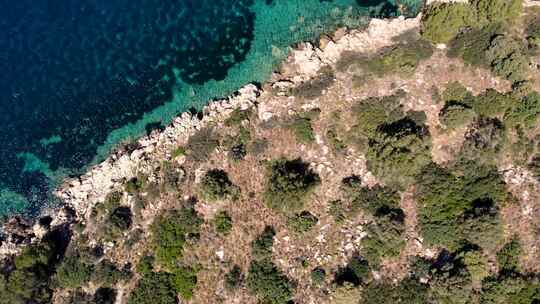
451,281
471,45
407,291
223,222
492,103
154,288
525,112
234,278
508,58
515,289
289,184
398,152
456,208
108,274
302,222
483,142
493,11
73,273
318,275
533,34
377,200
30,281
163,287
401,58
356,272
456,115
477,264
442,21
120,220
261,247
508,256
373,112
171,231
268,283
216,185
385,238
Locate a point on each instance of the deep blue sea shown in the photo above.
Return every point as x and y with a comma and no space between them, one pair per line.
78,77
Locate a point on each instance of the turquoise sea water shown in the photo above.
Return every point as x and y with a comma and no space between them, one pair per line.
80,78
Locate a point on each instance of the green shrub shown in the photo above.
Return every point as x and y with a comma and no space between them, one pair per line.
524,113
375,200
477,265
73,273
533,33
163,287
289,184
108,274
471,45
183,281
154,288
385,238
442,21
455,116
201,145
493,11
508,256
302,129
268,283
234,278
453,209
104,296
508,58
356,272
407,291
111,202
492,103
401,58
457,93
216,185
119,221
398,152
171,231
318,275
261,247
510,290
451,282
145,265
302,222
483,142
373,112
223,222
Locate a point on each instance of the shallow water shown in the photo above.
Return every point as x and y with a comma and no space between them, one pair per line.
79,77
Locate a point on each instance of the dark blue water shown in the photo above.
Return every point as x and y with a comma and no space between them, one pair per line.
72,71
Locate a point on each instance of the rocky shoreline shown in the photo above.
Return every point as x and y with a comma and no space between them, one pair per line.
80,194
